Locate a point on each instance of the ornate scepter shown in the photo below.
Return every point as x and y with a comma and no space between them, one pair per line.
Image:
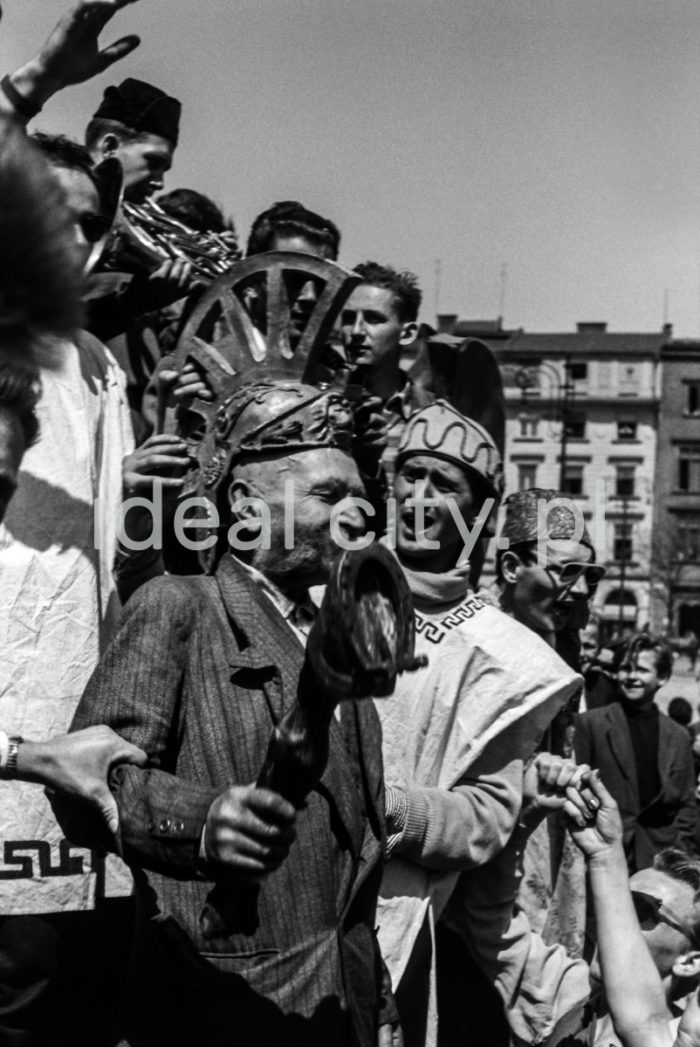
361,640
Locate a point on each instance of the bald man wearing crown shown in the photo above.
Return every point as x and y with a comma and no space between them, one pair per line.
202,670
457,732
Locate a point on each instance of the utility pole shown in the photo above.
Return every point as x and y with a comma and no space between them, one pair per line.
623,563
566,391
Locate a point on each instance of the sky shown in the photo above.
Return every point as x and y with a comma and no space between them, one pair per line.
557,138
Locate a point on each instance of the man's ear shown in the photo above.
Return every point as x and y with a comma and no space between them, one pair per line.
244,503
510,564
108,145
688,965
409,333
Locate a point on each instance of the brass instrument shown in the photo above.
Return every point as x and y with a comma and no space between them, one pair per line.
145,236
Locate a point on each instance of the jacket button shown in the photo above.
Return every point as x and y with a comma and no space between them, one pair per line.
179,827
165,825
151,827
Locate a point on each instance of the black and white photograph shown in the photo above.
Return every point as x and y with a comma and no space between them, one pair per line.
349,523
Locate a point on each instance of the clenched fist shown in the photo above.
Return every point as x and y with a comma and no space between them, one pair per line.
250,831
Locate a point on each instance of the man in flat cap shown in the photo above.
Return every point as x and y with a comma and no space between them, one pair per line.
139,125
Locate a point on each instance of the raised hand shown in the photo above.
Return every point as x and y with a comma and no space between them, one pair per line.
72,52
170,282
161,458
550,783
603,833
370,434
689,1029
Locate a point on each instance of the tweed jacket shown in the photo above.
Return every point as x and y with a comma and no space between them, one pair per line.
603,740
199,672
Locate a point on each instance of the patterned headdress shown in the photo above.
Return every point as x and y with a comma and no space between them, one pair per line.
263,378
272,418
440,430
522,521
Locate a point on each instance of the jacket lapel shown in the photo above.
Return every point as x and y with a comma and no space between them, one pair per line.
271,647
666,753
620,744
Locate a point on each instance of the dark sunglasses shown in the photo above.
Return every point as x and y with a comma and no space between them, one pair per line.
569,573
93,226
650,909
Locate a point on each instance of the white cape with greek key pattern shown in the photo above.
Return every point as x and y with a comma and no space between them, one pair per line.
57,607
486,674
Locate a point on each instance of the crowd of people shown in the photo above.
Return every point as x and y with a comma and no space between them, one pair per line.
282,804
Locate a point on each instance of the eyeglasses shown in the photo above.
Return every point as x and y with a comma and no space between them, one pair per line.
568,574
93,226
650,909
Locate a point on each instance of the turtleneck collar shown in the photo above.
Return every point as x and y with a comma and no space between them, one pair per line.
639,710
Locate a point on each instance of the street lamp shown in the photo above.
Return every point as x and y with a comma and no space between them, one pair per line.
565,394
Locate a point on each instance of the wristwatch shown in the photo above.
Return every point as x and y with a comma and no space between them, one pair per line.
10,768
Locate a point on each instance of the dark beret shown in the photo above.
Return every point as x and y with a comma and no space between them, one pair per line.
142,107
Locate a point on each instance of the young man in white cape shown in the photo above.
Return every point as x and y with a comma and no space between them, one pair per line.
457,732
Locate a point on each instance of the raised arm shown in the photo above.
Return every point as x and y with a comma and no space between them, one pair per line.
70,55
542,987
632,983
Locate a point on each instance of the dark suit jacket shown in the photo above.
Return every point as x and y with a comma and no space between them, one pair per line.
198,674
603,740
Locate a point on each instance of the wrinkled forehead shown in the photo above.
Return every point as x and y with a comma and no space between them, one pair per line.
434,463
305,468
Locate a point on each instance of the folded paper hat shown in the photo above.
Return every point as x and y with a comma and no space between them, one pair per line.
522,519
142,107
440,430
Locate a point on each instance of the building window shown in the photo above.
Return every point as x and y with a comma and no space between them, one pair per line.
689,539
528,426
573,479
624,481
689,468
628,380
527,476
627,430
692,403
578,372
575,426
622,541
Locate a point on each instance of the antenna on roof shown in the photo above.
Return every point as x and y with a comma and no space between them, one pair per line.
502,295
667,297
